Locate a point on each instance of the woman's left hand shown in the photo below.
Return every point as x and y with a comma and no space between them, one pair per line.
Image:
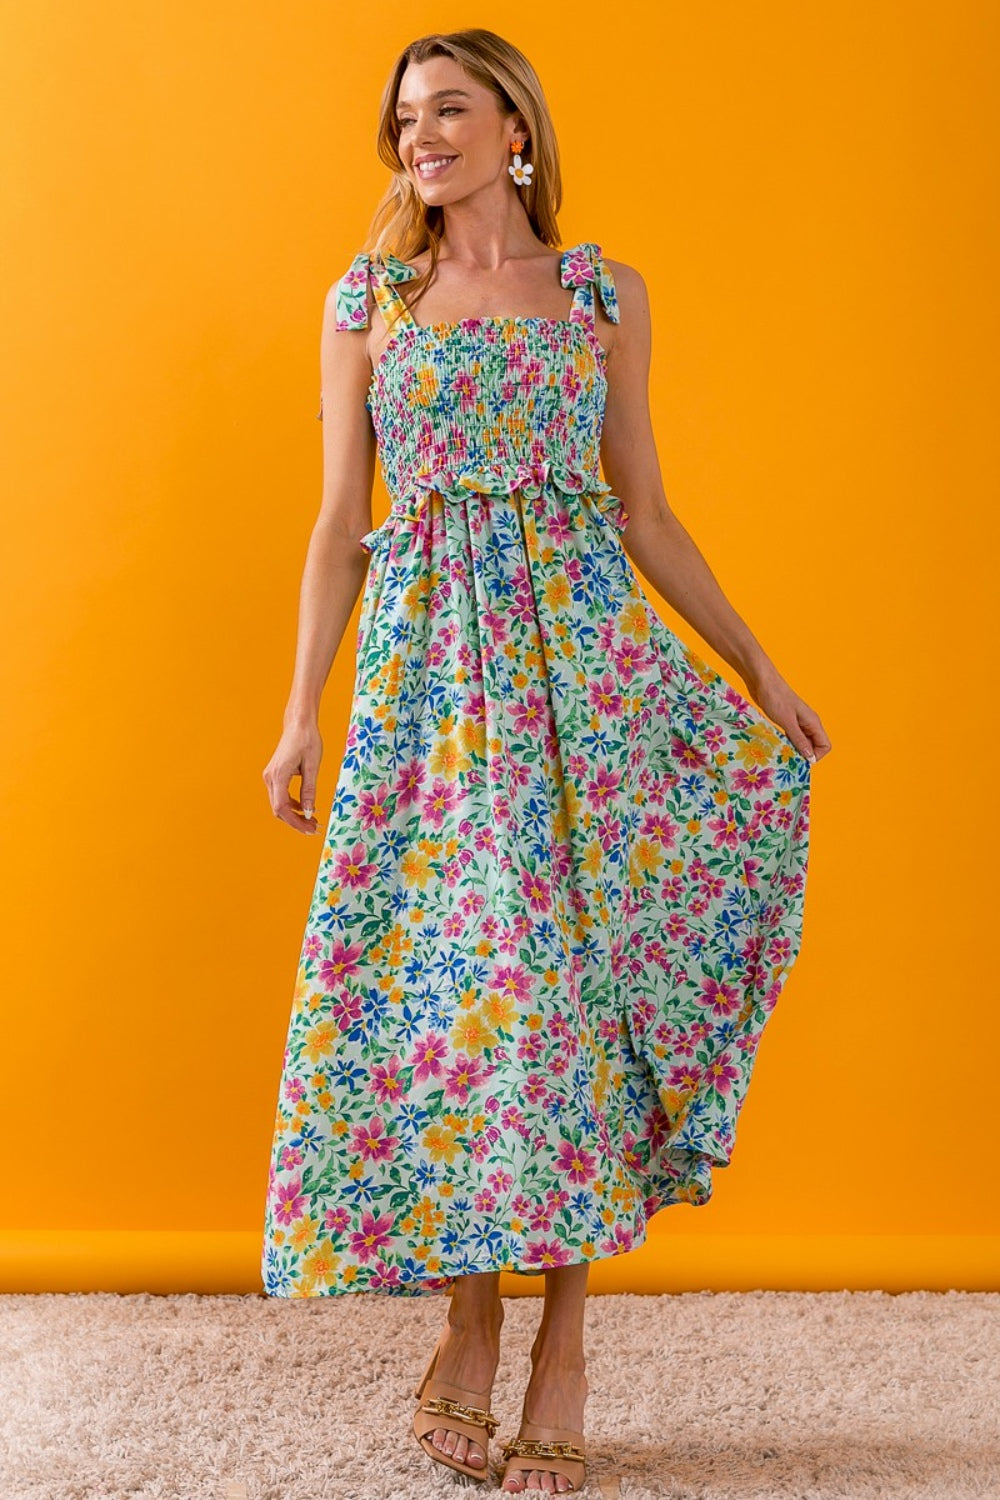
800,722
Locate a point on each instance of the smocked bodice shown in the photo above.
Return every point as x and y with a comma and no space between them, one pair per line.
490,404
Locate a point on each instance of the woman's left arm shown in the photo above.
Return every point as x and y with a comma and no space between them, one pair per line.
657,542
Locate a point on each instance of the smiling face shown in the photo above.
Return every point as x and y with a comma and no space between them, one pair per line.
453,123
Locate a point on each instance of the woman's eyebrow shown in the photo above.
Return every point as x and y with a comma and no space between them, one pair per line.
438,94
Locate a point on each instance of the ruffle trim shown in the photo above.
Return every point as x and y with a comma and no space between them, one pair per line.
532,478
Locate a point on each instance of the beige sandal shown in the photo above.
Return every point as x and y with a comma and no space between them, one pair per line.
557,1449
452,1402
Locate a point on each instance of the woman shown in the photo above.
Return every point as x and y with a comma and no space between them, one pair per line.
562,881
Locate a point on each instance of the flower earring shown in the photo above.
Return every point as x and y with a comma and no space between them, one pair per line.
521,173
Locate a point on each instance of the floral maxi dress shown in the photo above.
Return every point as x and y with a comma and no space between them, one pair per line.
562,882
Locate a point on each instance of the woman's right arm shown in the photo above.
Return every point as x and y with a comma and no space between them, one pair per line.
335,567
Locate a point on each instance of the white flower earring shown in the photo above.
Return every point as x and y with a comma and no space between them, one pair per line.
521,172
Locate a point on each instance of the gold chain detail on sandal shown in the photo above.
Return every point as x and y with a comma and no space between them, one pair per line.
445,1407
536,1448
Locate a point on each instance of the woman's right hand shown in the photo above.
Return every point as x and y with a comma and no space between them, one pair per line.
299,753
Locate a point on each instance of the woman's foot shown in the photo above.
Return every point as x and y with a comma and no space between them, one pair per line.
555,1397
470,1353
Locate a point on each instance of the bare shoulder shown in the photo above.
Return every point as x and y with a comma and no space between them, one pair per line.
633,298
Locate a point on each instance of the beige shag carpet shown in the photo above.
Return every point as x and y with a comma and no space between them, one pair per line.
696,1396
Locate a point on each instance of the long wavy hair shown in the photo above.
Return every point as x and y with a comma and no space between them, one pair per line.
403,223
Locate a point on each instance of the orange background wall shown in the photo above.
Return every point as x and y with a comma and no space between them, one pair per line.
810,193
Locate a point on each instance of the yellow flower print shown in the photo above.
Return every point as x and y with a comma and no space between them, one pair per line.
415,867
447,759
321,1264
319,1041
647,857
440,1143
500,1011
558,594
472,733
759,749
304,1232
634,620
424,389
472,1033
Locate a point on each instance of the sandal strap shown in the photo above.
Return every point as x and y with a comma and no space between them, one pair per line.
537,1448
477,1415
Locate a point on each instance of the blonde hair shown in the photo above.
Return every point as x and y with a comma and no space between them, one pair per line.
402,223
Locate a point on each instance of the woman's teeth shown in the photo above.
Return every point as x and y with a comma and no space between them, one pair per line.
432,168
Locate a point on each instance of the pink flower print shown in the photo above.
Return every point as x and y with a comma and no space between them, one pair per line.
409,783
441,798
470,904
530,1047
726,828
372,1237
466,388
383,1277
721,1074
540,1215
481,1148
312,944
530,715
336,1220
352,868
465,1074
685,1077
534,1090
292,1156
643,1012
342,962
610,833
291,1202
294,1089
484,1202
605,696
619,1242
688,757
373,811
631,657
535,891
603,788
513,980
346,1011
721,999
753,779
428,1056
575,1162
513,1119
736,699
778,951
371,1141
385,1082
660,826
547,1253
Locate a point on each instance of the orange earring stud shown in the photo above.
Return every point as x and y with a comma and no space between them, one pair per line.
520,171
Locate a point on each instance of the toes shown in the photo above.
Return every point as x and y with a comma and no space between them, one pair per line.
456,1445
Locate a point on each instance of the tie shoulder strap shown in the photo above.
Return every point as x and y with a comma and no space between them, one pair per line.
379,271
583,267
371,268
